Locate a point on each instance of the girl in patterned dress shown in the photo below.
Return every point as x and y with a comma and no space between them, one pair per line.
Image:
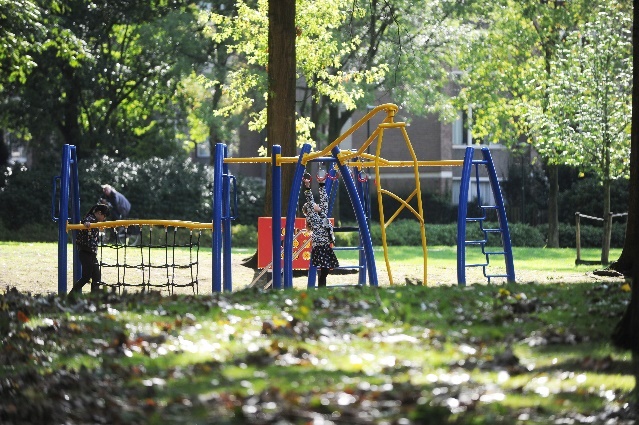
87,244
322,238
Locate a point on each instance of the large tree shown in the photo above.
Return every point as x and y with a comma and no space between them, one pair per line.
107,77
507,68
584,121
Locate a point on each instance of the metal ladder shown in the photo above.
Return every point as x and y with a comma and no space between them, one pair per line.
469,165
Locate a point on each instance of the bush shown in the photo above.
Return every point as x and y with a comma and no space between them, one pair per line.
170,189
244,236
591,236
26,197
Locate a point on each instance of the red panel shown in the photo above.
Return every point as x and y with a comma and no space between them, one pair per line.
264,243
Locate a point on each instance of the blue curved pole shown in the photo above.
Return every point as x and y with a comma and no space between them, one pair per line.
276,195
290,217
226,225
362,189
361,218
75,212
462,211
216,244
501,214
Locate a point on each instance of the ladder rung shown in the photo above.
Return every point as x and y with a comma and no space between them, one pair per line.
489,207
480,161
349,267
491,230
348,248
495,253
480,242
496,275
477,265
471,219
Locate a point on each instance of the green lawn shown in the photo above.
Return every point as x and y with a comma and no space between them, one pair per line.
482,354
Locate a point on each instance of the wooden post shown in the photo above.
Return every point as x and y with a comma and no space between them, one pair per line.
578,238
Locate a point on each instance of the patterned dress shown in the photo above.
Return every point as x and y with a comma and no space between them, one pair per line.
322,255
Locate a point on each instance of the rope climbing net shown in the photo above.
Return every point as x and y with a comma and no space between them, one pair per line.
150,255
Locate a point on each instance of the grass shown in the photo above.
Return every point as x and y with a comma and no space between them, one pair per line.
32,267
483,354
408,354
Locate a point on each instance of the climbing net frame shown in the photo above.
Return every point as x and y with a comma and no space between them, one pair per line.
149,254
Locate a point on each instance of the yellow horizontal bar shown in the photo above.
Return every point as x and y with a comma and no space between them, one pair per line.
262,160
255,159
165,223
386,163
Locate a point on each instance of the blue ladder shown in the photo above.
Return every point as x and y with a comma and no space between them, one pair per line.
463,220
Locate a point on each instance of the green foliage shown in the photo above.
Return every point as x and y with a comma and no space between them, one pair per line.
171,189
585,119
579,198
244,235
250,200
21,32
106,79
26,196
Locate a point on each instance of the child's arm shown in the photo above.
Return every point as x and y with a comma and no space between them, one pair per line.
323,198
307,191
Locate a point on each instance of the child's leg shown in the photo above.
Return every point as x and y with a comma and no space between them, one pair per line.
86,261
323,272
96,275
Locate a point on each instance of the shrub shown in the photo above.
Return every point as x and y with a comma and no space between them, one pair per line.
244,236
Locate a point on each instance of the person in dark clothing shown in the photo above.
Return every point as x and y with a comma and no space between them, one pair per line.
87,244
121,207
322,238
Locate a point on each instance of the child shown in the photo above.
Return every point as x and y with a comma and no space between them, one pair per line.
87,244
322,255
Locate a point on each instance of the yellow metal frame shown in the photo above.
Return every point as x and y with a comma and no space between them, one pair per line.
371,161
164,223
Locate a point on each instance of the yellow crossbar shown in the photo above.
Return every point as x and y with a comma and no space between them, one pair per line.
164,223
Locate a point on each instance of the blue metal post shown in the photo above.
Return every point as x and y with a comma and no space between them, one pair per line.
501,214
290,217
276,194
362,188
217,217
462,212
361,218
63,218
75,205
226,226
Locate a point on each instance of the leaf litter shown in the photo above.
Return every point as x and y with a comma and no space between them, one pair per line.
402,355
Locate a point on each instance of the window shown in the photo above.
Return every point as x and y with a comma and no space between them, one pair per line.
203,150
461,129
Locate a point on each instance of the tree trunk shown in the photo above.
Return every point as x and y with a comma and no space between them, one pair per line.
626,333
280,106
553,214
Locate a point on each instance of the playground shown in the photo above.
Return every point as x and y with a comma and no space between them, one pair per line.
354,167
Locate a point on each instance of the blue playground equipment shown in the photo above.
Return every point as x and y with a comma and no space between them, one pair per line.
351,165
463,220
